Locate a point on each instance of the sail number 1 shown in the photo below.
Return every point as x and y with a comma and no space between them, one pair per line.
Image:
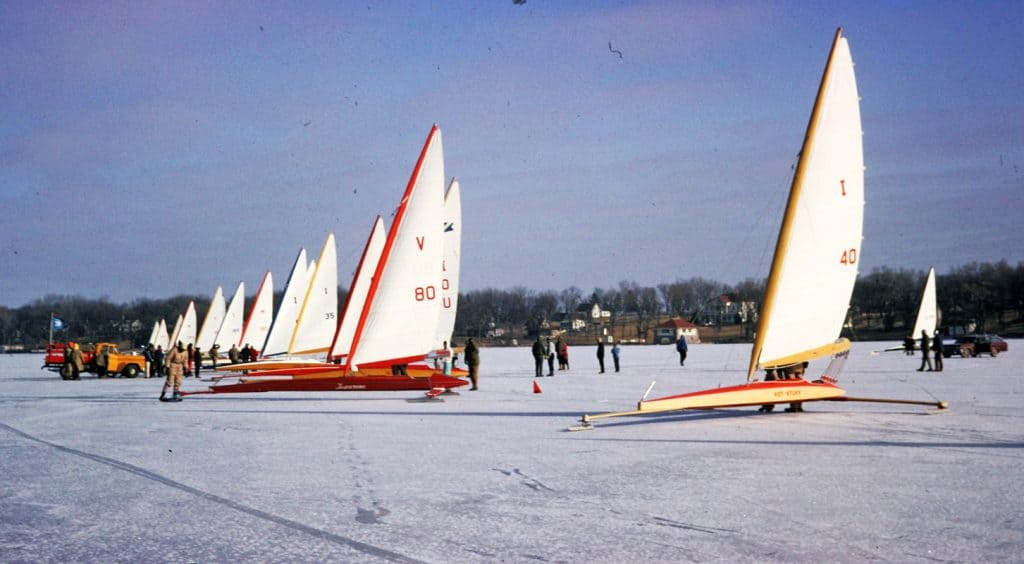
849,257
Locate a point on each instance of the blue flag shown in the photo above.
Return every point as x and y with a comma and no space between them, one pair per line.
57,324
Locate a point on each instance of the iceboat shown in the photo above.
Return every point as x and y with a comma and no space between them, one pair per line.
398,319
927,313
814,266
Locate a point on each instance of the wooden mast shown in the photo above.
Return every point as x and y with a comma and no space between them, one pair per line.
787,221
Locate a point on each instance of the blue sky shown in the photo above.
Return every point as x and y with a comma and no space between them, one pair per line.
154,149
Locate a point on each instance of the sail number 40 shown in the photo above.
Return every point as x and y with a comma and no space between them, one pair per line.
849,257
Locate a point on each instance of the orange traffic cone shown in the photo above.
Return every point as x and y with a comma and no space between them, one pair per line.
536,387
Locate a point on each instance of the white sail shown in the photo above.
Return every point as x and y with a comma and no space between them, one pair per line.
163,338
262,314
173,339
318,318
358,291
155,333
452,237
212,322
927,313
187,336
291,302
818,250
230,331
400,316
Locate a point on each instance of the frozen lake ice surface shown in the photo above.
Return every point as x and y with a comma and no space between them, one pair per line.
100,471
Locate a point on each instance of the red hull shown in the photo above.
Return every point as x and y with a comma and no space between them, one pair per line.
336,384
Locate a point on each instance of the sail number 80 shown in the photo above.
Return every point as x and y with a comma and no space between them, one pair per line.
425,293
849,257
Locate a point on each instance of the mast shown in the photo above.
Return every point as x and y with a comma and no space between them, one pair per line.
791,207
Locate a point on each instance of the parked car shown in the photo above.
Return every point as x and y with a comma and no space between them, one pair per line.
973,345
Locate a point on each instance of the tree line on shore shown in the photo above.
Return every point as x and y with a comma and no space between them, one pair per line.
989,296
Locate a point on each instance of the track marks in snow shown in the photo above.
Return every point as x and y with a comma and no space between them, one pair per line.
532,483
153,476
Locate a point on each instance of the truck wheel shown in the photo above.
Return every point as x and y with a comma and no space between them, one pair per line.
993,351
130,371
965,351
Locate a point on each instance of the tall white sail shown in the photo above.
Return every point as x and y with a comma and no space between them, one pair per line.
927,312
212,322
318,318
399,318
163,338
187,336
818,249
358,291
155,333
231,328
452,238
262,314
291,302
173,339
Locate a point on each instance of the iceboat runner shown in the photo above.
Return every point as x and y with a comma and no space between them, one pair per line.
399,318
814,266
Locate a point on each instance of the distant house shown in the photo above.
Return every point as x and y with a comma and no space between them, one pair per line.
728,312
669,331
594,311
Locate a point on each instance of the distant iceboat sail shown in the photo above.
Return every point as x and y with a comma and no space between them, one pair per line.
212,322
358,291
283,327
318,317
927,312
231,328
262,315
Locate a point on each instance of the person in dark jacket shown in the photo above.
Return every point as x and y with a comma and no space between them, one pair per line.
197,360
539,351
925,347
682,347
937,349
472,356
600,355
158,361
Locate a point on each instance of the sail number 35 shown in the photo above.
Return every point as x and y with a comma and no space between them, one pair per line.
849,257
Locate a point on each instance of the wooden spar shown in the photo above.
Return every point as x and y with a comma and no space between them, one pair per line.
937,404
787,221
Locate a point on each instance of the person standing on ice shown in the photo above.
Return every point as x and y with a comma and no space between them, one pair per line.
600,354
539,350
615,355
925,347
176,361
681,346
937,348
472,355
76,361
550,348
